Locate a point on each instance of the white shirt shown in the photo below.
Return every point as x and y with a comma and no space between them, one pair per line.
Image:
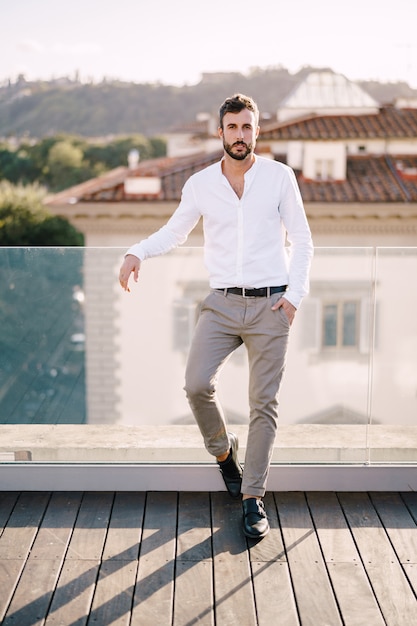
244,238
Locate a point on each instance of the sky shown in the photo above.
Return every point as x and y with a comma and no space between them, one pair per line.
175,41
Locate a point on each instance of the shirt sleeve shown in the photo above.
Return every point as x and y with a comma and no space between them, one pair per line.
299,239
175,232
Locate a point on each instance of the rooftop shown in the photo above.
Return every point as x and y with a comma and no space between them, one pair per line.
110,186
322,89
369,179
374,175
389,122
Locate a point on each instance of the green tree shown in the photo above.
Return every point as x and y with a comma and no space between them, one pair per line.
114,153
16,166
64,166
61,161
24,221
159,147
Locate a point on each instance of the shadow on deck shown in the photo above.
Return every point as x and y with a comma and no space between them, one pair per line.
180,558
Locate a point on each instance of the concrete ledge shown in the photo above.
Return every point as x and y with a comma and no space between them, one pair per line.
303,443
179,477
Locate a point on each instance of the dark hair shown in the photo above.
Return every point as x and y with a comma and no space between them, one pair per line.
237,103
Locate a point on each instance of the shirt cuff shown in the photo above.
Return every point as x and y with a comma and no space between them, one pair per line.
293,298
137,250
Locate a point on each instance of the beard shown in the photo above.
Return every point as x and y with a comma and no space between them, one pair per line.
239,156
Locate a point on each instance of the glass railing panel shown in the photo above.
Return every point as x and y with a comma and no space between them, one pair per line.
42,336
76,349
325,392
393,432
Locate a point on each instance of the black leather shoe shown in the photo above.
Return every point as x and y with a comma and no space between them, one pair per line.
255,521
231,469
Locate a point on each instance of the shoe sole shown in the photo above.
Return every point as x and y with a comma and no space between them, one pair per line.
257,536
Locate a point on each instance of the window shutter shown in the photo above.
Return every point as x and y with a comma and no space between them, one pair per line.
366,325
310,314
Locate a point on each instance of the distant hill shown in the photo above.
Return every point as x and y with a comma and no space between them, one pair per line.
39,109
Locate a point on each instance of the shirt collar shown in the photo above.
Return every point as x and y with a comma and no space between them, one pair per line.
251,171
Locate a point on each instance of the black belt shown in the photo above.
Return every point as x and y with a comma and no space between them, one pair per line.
260,292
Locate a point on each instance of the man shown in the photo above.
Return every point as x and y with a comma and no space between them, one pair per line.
251,206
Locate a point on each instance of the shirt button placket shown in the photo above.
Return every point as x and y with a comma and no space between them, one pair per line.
239,252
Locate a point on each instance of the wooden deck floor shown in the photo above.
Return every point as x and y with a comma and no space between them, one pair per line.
181,559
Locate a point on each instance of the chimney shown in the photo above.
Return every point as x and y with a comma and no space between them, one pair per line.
133,158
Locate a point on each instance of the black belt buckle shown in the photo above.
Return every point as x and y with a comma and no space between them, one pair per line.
260,292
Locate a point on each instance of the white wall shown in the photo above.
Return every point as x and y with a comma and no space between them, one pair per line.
324,151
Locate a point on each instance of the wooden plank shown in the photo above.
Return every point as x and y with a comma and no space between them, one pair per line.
30,602
194,527
21,514
270,574
50,545
390,585
349,580
398,523
22,526
112,601
194,600
8,500
410,499
154,593
354,594
125,527
411,573
332,529
10,571
271,548
73,596
313,592
233,589
90,528
275,602
56,528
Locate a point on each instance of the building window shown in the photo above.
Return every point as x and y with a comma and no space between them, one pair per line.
324,169
340,324
339,320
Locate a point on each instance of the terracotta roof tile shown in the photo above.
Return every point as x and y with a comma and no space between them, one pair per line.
106,181
369,179
389,122
109,187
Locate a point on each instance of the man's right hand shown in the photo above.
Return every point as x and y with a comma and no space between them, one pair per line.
130,264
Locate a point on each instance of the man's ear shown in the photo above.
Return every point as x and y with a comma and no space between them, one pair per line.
220,132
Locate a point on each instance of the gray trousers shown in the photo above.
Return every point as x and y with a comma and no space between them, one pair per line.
225,322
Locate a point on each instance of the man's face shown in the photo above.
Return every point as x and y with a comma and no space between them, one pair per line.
239,134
